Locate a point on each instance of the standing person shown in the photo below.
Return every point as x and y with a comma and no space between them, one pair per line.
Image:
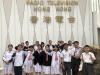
38,61
43,45
28,64
60,45
66,60
27,43
88,58
36,45
19,57
55,64
7,58
23,45
70,45
47,58
50,44
76,58
26,46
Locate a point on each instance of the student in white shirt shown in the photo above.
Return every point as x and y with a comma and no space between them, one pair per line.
56,61
50,44
19,57
70,45
28,64
66,60
76,58
88,58
7,58
36,45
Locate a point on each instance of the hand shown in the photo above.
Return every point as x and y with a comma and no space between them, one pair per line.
7,62
62,66
92,58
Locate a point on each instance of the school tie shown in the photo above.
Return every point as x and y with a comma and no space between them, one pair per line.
46,57
75,52
56,58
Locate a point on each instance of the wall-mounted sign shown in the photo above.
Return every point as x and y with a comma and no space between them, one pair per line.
60,5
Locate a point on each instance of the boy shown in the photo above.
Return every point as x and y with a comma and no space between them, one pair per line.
19,57
66,60
88,58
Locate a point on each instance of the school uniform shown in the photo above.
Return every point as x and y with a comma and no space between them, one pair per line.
55,64
51,46
19,57
88,63
70,47
37,61
35,47
76,61
66,55
47,58
61,47
28,64
7,57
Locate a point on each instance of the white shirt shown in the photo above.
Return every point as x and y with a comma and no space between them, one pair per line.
70,47
51,48
87,57
76,51
7,55
54,61
19,58
66,55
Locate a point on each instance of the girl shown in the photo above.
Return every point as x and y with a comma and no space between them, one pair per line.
37,61
88,58
28,64
56,61
47,58
7,58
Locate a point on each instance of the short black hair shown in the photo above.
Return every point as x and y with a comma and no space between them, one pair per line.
56,46
10,45
16,47
75,42
65,44
47,45
30,46
26,41
42,43
87,46
19,45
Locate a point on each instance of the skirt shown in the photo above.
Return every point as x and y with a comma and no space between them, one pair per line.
8,68
47,70
55,70
38,68
28,67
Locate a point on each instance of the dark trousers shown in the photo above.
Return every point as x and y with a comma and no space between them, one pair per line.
87,69
67,66
75,66
18,70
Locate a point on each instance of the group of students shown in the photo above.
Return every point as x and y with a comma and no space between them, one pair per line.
60,59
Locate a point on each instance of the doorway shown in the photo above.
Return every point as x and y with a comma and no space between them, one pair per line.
99,36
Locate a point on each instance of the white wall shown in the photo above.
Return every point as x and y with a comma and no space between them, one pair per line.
28,31
98,20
